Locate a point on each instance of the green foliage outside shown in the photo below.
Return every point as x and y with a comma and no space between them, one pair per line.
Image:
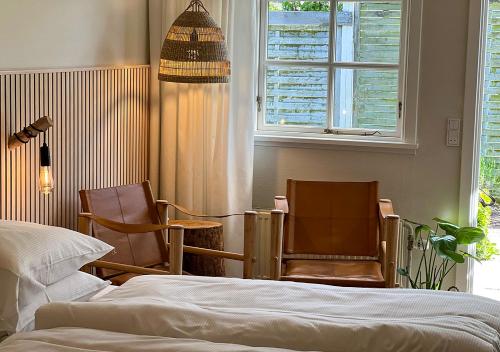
302,6
306,6
486,250
488,177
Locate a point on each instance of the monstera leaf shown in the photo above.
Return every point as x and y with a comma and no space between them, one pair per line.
423,228
447,226
464,235
469,235
444,243
445,247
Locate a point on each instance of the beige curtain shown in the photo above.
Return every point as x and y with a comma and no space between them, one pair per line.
201,152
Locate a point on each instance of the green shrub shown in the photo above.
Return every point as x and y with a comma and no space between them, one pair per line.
487,176
306,6
485,250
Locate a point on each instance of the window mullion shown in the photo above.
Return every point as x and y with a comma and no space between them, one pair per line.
261,90
331,70
402,67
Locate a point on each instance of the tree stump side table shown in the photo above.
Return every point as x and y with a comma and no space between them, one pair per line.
203,234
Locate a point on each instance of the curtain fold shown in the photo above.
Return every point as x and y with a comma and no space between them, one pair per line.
201,136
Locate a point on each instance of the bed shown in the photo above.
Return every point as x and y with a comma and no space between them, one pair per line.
39,264
268,314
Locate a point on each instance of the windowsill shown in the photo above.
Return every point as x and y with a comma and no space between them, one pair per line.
354,143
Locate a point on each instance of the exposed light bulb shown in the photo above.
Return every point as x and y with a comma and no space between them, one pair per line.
46,180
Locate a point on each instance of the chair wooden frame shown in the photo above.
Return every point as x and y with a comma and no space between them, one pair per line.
176,238
388,231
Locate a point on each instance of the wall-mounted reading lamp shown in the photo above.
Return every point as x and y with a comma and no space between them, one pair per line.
46,181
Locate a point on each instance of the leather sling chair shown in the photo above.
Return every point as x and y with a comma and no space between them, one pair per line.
128,218
337,233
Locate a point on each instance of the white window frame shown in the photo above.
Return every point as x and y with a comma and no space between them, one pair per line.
408,85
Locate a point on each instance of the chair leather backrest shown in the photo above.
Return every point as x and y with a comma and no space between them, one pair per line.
132,204
332,218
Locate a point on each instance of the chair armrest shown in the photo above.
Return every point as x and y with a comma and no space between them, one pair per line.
119,226
127,268
385,208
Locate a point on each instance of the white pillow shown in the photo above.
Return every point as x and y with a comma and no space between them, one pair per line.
77,287
45,254
33,257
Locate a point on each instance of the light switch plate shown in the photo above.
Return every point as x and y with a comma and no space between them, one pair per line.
454,124
453,133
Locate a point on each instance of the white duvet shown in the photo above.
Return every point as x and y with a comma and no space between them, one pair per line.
287,315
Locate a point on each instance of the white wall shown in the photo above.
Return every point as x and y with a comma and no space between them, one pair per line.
72,33
421,186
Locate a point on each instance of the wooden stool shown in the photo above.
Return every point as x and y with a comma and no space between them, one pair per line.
204,234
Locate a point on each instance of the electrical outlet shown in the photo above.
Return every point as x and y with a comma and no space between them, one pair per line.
453,138
453,133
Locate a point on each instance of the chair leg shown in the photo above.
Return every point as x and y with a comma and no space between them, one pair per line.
176,250
250,229
392,250
277,218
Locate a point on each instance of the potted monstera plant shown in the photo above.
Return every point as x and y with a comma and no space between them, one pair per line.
440,252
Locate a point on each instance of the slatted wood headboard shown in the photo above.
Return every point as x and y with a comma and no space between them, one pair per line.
99,138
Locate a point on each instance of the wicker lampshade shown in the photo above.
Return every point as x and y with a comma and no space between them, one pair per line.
194,50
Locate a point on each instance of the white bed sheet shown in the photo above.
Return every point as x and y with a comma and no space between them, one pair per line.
86,340
288,315
103,292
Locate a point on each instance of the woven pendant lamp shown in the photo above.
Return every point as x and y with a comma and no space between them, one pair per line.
194,50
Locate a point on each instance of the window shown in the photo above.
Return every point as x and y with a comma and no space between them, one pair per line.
333,67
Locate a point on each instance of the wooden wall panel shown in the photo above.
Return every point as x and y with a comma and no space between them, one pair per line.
99,138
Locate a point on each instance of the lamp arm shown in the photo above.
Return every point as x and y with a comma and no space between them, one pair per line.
22,137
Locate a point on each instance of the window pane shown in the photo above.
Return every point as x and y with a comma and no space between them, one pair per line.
296,96
298,30
366,98
368,31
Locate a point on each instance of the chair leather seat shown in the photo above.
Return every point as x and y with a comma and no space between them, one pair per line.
359,273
